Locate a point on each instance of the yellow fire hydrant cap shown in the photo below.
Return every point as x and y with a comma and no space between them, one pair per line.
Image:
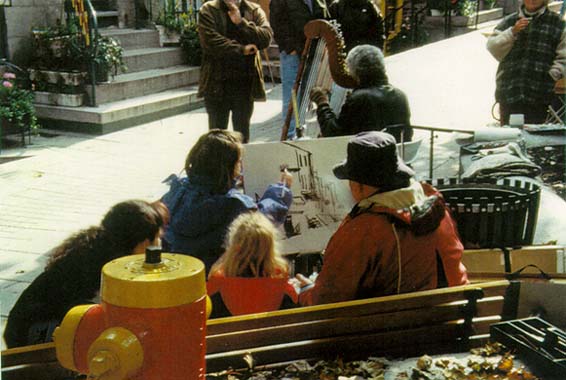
174,280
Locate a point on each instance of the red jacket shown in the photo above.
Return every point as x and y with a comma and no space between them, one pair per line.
362,258
246,295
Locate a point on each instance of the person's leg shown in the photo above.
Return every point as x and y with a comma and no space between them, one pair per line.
218,111
289,69
536,113
242,110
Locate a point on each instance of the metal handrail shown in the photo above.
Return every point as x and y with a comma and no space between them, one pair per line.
91,40
93,34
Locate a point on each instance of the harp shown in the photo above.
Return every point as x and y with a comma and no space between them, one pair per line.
323,63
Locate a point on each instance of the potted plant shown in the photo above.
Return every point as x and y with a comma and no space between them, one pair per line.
190,44
170,24
465,10
59,64
17,111
58,48
108,58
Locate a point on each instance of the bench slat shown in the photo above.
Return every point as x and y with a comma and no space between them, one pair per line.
410,342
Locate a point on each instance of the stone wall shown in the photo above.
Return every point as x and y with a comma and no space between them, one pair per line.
22,17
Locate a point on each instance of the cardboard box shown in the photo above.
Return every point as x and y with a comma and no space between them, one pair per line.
549,258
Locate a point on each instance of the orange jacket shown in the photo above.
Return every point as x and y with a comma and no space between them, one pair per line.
246,295
362,258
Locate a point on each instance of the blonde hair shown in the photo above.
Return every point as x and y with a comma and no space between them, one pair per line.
251,249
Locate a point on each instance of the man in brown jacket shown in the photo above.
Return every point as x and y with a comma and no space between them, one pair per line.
232,32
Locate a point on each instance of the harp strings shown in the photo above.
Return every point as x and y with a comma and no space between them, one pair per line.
317,75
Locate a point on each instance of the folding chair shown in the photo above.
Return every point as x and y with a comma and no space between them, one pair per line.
557,109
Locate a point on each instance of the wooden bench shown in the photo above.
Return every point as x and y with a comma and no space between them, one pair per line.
408,324
435,321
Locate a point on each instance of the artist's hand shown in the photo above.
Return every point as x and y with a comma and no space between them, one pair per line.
250,49
521,24
319,95
304,281
286,178
234,11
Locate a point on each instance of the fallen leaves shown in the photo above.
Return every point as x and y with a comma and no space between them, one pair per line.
490,362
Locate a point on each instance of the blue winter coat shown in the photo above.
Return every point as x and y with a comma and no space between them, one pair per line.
200,217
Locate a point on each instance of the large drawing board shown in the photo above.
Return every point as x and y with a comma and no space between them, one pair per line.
320,200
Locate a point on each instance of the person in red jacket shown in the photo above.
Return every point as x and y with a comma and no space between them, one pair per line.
251,276
398,238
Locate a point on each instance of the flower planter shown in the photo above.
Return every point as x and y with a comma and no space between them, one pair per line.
168,37
59,77
460,20
57,99
102,75
58,88
57,45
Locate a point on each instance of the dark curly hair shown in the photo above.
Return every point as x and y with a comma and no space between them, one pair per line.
124,226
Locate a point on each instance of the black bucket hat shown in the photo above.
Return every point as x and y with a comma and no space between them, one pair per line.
373,160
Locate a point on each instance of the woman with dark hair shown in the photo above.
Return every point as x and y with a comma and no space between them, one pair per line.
72,274
204,203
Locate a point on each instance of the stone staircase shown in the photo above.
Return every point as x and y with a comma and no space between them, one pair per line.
157,84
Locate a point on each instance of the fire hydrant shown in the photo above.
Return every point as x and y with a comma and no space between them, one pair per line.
150,323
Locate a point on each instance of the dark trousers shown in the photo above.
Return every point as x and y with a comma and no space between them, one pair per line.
534,113
236,98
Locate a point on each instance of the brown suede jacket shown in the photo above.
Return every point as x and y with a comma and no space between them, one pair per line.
218,48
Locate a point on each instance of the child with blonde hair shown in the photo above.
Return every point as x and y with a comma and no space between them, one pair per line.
251,276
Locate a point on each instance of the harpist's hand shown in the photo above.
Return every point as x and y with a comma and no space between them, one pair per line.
319,96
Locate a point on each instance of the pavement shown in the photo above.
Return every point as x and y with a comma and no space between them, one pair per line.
63,182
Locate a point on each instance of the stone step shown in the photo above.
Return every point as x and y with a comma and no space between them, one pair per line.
483,17
152,58
103,5
107,18
146,82
121,114
133,38
488,15
106,14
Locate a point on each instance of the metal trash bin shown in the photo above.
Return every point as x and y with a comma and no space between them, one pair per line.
492,215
